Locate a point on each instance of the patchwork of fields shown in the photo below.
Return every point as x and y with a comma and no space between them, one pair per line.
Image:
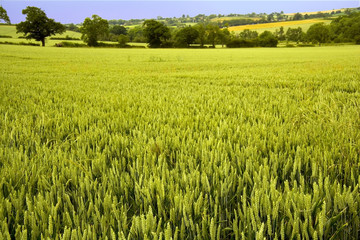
181,144
304,24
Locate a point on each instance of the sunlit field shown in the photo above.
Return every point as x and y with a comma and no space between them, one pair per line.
304,24
179,144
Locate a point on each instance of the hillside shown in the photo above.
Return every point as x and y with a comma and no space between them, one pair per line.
304,24
10,30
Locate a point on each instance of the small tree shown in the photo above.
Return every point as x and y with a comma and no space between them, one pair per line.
4,16
38,26
280,34
295,34
93,29
123,40
212,31
224,36
202,33
247,34
319,33
156,33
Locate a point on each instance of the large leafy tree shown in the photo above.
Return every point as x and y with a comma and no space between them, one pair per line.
38,26
213,32
295,34
156,33
267,39
93,29
201,28
319,33
186,36
3,15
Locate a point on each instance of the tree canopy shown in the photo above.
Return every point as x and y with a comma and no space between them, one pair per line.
156,33
4,16
118,30
346,28
38,26
318,33
93,29
186,36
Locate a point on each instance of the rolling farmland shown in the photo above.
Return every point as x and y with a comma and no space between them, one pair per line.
304,24
179,143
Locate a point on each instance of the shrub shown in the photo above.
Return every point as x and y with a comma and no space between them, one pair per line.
242,43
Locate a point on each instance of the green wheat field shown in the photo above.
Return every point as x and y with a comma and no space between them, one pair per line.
179,144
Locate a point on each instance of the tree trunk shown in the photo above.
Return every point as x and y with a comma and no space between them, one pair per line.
43,42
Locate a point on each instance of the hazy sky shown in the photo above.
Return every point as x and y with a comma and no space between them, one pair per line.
67,11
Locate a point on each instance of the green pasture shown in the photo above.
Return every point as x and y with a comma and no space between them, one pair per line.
10,30
179,143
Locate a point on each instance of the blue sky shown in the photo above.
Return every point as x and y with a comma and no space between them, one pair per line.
67,11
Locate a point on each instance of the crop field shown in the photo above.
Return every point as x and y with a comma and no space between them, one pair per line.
179,144
304,24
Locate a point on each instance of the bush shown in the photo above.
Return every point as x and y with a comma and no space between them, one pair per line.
65,38
267,39
5,36
242,43
20,43
306,45
69,44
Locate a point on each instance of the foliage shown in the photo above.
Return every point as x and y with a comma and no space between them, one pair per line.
242,43
346,28
212,33
295,35
318,33
196,144
123,40
201,28
4,16
247,34
298,16
38,26
280,34
136,34
156,33
20,43
267,39
93,29
186,36
118,30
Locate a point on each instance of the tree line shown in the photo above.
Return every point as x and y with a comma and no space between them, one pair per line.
154,32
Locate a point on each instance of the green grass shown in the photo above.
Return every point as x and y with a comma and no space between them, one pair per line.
189,143
11,31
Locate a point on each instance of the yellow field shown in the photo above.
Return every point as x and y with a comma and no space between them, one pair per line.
275,25
309,13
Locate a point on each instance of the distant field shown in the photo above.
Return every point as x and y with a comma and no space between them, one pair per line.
179,143
10,30
231,18
304,24
309,13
